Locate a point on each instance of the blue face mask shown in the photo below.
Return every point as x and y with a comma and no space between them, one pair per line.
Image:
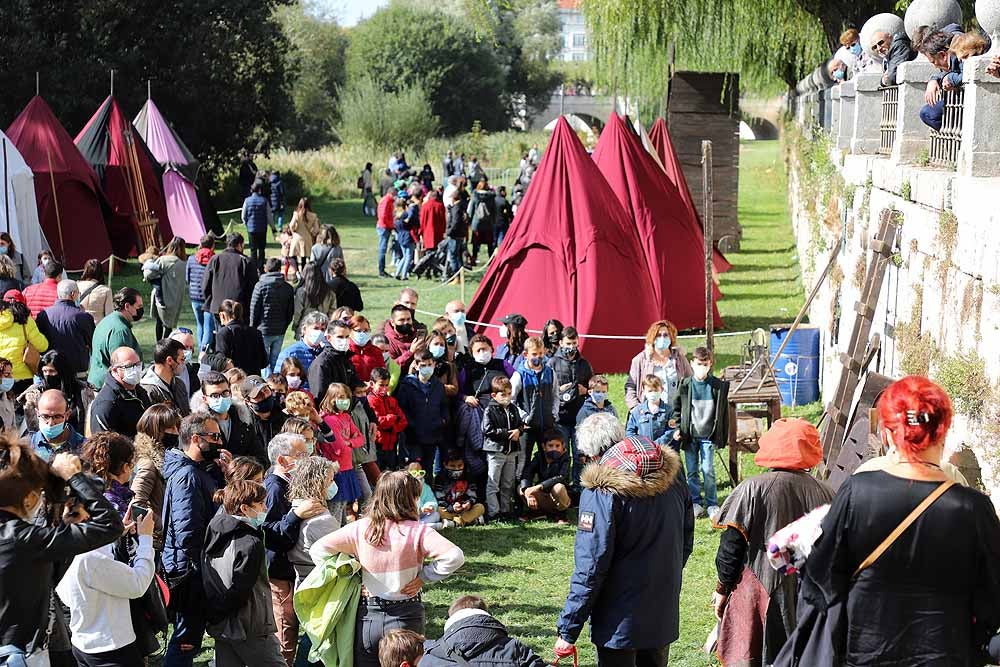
599,396
6,384
220,405
662,343
3,250
838,75
425,372
856,49
331,491
258,520
437,351
53,431
314,336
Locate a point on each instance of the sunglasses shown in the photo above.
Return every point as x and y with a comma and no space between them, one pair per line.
879,44
213,437
419,474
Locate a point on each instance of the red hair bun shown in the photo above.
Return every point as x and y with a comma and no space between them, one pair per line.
917,412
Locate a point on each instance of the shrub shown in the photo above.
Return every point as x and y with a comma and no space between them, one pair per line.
372,117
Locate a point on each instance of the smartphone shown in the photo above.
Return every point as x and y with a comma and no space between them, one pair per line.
138,512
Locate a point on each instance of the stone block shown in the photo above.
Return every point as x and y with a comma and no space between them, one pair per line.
912,136
930,187
934,13
889,23
980,151
846,118
855,169
867,114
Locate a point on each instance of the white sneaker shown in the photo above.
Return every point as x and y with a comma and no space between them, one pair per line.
713,512
447,523
699,511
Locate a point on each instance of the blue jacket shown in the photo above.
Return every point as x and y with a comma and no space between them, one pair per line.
256,213
305,354
281,529
277,194
590,408
194,273
478,640
644,423
69,329
187,509
426,410
633,540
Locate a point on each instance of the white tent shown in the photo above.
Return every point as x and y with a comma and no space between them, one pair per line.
648,145
18,211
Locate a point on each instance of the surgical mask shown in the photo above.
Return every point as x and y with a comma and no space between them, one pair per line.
331,491
504,331
3,250
267,405
599,396
221,405
662,343
188,356
652,396
568,351
257,520
310,447
138,315
343,404
856,49
458,319
838,74
425,372
294,381
483,357
456,474
133,375
314,336
437,351
6,384
340,344
361,338
700,372
52,431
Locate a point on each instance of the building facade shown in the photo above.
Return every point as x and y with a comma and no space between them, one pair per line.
573,30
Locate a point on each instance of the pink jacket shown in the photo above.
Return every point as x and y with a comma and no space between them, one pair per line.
347,437
642,365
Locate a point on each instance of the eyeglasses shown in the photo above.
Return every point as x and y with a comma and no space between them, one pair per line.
51,419
128,367
225,394
213,437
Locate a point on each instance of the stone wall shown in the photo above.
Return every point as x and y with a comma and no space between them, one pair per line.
939,310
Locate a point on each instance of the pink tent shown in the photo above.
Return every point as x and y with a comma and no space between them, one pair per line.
180,171
574,254
673,250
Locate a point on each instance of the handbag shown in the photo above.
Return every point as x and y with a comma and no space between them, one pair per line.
820,635
30,357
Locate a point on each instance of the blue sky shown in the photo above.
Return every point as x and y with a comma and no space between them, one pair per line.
349,12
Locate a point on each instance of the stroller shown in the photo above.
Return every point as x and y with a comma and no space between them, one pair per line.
433,264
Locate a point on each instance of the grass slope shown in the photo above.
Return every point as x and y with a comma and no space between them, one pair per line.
523,571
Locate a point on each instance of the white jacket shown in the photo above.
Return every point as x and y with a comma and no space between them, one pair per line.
97,590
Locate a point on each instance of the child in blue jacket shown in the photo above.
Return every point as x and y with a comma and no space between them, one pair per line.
422,398
651,418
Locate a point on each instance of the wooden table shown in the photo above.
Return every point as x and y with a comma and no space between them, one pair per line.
767,395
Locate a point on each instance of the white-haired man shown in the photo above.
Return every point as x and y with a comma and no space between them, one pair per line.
635,516
67,327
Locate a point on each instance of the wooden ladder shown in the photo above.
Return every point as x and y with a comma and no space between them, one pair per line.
854,360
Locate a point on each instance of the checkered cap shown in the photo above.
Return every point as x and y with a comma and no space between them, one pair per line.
634,454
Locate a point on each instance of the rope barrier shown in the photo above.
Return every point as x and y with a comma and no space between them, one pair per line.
232,210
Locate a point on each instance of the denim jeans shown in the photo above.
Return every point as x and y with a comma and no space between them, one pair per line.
498,235
705,450
383,245
933,114
403,270
189,626
204,323
376,618
454,255
273,346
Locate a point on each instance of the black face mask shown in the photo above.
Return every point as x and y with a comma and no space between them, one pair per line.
138,315
209,454
456,474
403,329
170,440
53,382
451,340
265,406
552,455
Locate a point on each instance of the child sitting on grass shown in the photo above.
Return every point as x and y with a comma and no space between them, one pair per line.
458,497
545,479
428,504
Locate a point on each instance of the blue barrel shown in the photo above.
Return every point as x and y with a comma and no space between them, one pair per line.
797,370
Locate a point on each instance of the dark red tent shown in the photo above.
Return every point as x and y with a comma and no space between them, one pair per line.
572,253
79,231
117,153
674,250
659,136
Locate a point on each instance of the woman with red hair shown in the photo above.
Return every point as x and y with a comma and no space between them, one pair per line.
933,596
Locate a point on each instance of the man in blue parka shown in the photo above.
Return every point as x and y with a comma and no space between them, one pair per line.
634,536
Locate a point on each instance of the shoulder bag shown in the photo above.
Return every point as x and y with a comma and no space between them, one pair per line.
30,357
820,635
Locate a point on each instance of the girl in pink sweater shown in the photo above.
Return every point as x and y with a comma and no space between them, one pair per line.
335,409
391,544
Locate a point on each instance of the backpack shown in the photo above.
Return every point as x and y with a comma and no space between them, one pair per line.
361,182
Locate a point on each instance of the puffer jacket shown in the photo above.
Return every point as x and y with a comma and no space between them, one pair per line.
366,359
187,509
272,304
194,272
237,592
426,410
159,391
473,638
149,484
12,343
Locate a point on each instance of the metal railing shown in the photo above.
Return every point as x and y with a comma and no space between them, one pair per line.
887,124
946,142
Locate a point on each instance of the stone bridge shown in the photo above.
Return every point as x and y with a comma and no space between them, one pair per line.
593,109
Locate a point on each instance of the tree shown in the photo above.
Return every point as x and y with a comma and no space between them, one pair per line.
316,57
212,64
376,119
403,46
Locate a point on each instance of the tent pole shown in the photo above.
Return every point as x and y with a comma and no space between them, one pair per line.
149,89
55,201
112,83
707,215
6,189
37,85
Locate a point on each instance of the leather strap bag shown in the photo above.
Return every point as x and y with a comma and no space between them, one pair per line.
31,358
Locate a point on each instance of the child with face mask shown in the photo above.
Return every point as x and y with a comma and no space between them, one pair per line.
701,416
533,388
237,593
389,417
545,481
458,497
502,428
427,504
651,418
422,399
335,410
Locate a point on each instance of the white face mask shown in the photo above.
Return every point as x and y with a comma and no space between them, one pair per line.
340,344
483,357
700,372
132,375
652,396
503,331
294,381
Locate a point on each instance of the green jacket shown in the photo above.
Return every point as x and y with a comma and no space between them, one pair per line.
682,411
326,604
111,333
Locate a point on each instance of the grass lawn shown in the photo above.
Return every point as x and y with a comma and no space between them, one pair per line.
523,571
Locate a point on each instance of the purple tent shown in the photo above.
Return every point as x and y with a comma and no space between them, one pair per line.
180,172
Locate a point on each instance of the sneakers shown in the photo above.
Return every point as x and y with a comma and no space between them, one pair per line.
713,513
481,521
699,511
447,523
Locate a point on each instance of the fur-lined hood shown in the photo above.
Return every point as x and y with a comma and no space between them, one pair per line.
149,449
623,483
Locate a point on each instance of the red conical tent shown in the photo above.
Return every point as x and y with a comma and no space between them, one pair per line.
659,136
71,209
122,161
572,253
674,251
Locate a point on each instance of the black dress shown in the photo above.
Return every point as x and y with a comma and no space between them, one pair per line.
934,597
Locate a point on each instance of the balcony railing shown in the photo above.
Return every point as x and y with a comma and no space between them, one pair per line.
887,124
946,143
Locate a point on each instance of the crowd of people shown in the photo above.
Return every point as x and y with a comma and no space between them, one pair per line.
946,47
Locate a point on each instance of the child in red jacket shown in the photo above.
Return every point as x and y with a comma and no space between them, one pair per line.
391,420
335,410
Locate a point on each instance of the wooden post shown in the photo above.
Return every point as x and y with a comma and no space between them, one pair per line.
461,282
6,189
706,180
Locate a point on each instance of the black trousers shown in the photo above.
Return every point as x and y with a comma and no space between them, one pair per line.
258,243
622,657
126,656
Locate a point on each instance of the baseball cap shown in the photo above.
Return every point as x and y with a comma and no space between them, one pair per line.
252,386
516,320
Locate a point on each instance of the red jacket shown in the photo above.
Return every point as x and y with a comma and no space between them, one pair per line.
41,296
391,420
399,349
432,223
386,212
366,359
